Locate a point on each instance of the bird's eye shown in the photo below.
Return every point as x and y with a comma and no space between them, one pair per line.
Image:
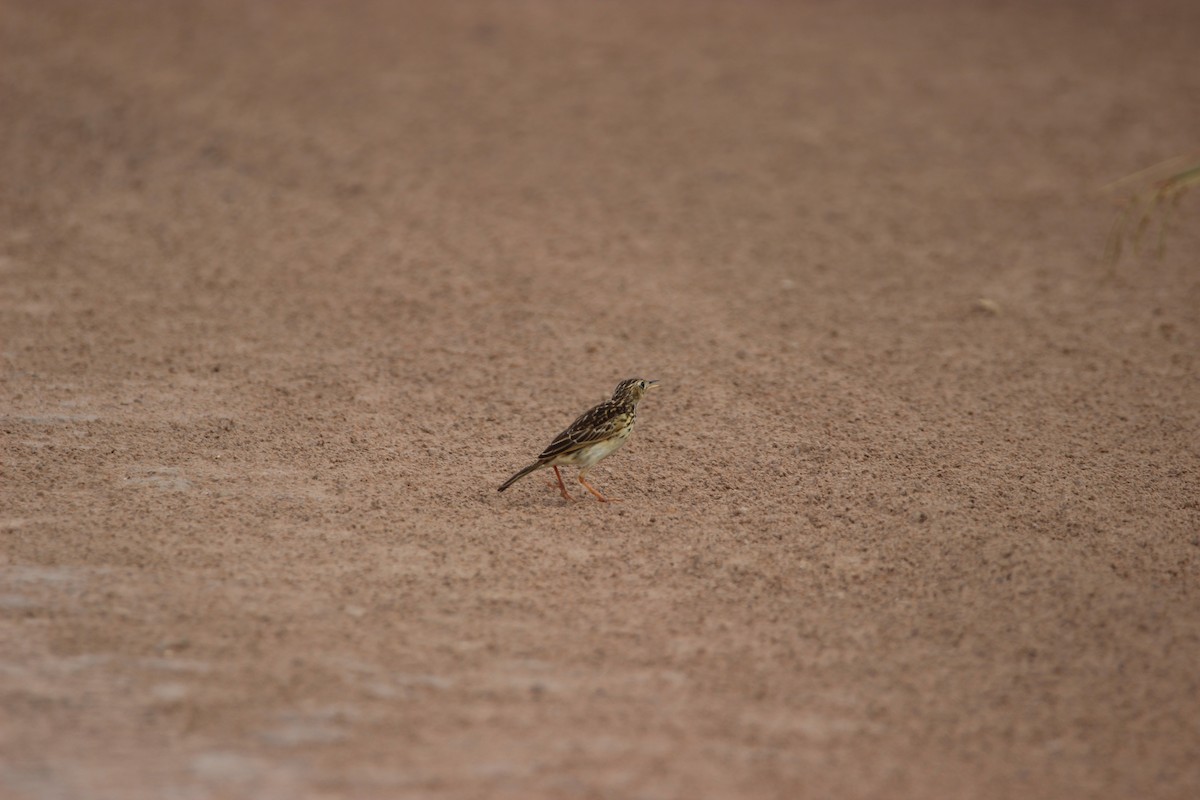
642,384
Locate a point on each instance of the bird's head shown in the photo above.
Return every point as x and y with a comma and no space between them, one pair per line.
631,390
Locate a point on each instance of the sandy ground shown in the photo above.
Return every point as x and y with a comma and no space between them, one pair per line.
289,288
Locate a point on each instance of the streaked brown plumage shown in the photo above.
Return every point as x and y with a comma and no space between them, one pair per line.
597,434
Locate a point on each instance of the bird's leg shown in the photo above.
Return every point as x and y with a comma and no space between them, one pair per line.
594,490
559,484
562,487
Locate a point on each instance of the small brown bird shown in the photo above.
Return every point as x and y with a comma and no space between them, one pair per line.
597,434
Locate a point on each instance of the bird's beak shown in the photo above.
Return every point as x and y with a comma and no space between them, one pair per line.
652,384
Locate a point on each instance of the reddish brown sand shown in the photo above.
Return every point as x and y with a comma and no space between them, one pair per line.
289,288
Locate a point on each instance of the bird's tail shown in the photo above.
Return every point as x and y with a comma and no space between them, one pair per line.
525,471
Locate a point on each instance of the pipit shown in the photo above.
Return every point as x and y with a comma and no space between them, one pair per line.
597,434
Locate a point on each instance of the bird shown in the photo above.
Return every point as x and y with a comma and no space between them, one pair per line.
595,435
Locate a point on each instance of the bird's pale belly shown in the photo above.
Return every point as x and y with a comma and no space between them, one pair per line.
592,454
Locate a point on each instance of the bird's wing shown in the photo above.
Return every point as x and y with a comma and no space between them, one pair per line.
591,427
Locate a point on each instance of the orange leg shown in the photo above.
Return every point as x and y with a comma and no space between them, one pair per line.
594,490
562,487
